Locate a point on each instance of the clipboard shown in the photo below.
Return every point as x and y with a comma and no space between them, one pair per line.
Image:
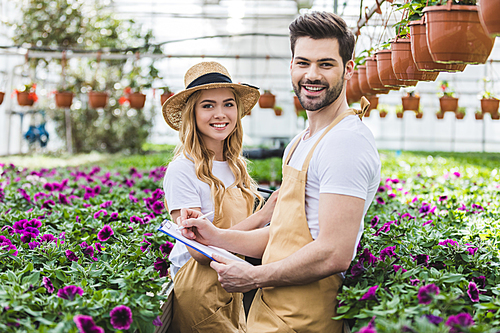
170,229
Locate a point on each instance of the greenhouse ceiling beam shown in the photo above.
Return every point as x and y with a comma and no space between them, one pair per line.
363,20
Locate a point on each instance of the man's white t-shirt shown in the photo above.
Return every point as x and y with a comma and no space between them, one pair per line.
184,190
346,162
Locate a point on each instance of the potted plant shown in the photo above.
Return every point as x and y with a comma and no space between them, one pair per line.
455,34
98,99
411,101
479,115
460,112
298,106
2,95
355,93
278,110
64,96
382,111
447,101
372,76
267,100
419,114
489,20
440,115
165,94
27,96
489,104
403,64
133,97
495,116
399,112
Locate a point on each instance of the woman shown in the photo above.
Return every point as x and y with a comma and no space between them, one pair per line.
208,173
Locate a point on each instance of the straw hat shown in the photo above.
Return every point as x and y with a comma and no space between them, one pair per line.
206,75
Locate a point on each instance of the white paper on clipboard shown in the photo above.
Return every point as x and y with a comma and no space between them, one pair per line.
170,229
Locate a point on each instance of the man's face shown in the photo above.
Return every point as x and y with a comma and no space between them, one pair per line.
317,72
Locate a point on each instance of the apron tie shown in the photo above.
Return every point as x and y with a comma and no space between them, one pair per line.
364,107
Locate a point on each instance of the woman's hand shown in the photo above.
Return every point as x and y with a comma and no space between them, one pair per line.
201,230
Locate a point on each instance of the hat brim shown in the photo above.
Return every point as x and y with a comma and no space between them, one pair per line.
172,108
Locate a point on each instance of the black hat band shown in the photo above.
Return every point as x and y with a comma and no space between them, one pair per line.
209,78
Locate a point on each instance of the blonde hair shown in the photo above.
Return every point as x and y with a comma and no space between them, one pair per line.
193,147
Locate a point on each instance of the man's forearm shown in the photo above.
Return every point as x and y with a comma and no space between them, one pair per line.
248,243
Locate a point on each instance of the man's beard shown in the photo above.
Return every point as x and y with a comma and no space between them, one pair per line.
316,103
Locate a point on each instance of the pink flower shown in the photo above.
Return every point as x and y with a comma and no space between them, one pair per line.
426,293
473,292
459,321
69,292
121,317
105,233
85,324
98,213
370,294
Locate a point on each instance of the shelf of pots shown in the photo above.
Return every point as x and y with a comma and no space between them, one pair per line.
455,34
267,100
488,16
27,96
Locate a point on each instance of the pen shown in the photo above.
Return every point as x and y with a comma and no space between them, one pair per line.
265,190
199,218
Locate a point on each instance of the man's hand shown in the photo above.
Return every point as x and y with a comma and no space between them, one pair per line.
201,230
267,210
234,276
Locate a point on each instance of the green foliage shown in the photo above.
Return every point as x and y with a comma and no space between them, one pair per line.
445,89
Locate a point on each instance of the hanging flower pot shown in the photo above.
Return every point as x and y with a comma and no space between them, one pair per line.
448,104
385,70
98,99
355,93
278,111
479,116
488,11
267,100
410,103
440,115
421,54
460,113
489,105
382,113
298,106
24,98
495,116
403,64
136,100
454,34
419,115
64,99
2,95
400,114
372,77
364,87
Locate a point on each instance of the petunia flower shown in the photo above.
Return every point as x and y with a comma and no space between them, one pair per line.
121,317
457,174
448,242
48,204
157,207
32,223
399,267
166,248
19,226
368,257
391,195
387,252
370,328
473,292
85,324
33,232
370,294
48,238
69,292
145,246
358,269
380,200
33,245
414,282
136,219
113,216
161,266
63,199
426,293
106,204
374,221
472,250
89,251
71,255
459,321
433,319
421,259
48,284
105,233
98,213
442,198
426,223
480,281
157,321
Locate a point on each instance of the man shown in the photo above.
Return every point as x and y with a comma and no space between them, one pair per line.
331,173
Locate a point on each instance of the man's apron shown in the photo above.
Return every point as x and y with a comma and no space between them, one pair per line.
303,308
200,303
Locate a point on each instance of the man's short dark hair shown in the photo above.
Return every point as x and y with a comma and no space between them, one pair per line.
321,25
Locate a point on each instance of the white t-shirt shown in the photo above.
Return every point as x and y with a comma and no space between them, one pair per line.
346,162
183,189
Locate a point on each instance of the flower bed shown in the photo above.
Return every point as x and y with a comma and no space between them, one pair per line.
429,257
79,249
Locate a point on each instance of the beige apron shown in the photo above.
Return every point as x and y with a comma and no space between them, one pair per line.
200,303
303,308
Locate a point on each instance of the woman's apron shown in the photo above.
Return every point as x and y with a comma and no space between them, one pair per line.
200,303
303,308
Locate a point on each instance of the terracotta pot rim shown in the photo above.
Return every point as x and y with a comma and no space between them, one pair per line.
65,92
467,8
490,99
98,93
401,40
383,51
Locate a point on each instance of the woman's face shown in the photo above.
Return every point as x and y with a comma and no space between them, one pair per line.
216,115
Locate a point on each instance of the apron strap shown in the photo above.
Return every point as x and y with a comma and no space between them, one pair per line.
292,149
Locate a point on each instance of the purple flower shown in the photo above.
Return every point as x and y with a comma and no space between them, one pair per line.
426,223
368,257
89,251
63,199
161,266
121,317
33,245
48,187
97,190
83,245
48,238
374,221
157,207
442,198
380,200
69,292
105,233
456,174
136,219
425,209
414,282
98,213
48,204
86,324
370,328
48,285
71,255
32,223
98,247
477,208
387,252
166,248
408,215
391,195
425,293
106,204
421,259
399,267
113,216
449,242
19,226
480,281
26,238
32,232
472,250
358,269
145,246
433,319
157,321
459,321
370,294
473,292
385,228
6,245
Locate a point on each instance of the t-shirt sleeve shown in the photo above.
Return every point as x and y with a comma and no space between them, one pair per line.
346,163
179,185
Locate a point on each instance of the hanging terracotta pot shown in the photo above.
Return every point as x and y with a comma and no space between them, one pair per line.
385,70
355,93
382,113
479,116
419,115
373,103
64,99
489,105
364,87
278,111
440,115
296,103
137,100
448,103
421,54
488,11
165,96
454,34
24,99
400,114
98,99
495,116
403,64
267,100
459,115
2,95
372,77
410,103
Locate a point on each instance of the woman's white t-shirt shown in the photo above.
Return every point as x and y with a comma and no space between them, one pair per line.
184,190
